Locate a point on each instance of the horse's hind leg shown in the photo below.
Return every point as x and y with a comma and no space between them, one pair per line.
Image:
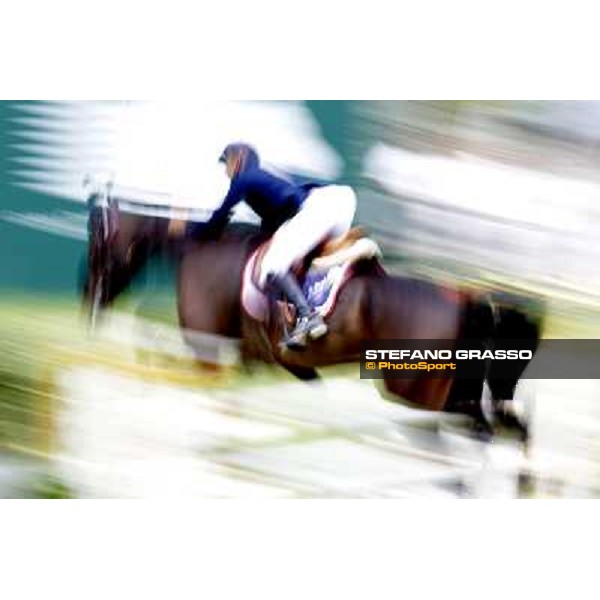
465,398
466,394
512,326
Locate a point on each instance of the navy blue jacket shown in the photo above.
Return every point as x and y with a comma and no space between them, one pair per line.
274,199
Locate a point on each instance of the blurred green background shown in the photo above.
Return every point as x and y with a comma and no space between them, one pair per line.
423,224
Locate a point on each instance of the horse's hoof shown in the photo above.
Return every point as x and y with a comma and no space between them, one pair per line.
506,417
475,428
526,484
482,431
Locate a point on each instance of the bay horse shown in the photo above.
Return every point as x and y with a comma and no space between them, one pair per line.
371,305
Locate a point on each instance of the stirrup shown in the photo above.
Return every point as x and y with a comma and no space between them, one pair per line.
312,325
294,340
297,338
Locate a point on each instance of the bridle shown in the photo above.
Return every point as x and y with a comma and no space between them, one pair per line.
108,257
101,200
103,228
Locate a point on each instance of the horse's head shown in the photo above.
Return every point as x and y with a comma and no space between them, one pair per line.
119,244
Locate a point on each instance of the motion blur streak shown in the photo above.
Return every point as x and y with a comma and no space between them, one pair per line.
499,195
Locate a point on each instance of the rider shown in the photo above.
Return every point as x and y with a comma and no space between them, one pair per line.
300,215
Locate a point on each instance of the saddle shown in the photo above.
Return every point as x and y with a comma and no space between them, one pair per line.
322,274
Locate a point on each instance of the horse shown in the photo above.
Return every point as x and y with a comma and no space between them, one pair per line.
371,305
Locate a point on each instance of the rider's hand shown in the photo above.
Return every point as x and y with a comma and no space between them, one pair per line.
176,228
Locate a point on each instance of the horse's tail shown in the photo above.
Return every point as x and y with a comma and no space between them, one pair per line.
518,316
502,315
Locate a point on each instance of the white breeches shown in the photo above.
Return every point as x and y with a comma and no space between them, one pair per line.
327,212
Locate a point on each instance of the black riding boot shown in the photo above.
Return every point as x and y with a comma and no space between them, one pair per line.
308,322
